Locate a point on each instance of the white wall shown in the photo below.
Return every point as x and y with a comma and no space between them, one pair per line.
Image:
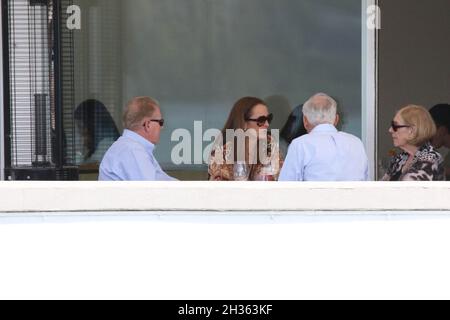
279,198
414,59
131,241
206,240
126,258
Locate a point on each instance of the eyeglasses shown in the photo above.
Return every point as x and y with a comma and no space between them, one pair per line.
261,120
160,122
395,126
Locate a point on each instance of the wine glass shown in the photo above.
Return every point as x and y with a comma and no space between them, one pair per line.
241,171
267,173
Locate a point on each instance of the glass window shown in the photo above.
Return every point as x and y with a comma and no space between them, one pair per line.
197,57
72,73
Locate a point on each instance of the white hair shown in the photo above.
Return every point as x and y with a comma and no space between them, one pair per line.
320,109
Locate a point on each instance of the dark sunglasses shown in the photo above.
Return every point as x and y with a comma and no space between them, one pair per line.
395,126
160,122
262,120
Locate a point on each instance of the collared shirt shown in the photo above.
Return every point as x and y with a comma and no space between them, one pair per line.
326,155
131,158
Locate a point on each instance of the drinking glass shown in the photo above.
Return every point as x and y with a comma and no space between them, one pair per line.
241,171
267,173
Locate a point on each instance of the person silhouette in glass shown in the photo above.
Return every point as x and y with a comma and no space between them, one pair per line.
292,129
441,116
97,129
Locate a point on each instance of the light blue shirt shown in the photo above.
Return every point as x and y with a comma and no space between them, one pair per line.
325,155
131,158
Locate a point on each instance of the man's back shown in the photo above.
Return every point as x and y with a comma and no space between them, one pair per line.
326,155
130,158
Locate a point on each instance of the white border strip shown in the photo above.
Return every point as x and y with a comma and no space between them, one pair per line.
108,198
369,89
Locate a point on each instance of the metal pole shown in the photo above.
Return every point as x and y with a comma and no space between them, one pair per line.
59,129
5,125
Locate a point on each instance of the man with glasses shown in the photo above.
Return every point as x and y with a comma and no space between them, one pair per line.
324,154
131,158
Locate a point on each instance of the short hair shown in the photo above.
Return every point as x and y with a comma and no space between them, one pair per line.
320,109
420,119
138,109
441,115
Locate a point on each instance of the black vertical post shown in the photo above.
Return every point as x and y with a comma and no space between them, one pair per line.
40,115
6,85
59,129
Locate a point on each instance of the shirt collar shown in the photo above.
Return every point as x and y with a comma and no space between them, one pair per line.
139,139
324,128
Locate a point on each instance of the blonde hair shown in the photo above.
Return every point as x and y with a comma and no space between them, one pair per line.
138,109
421,122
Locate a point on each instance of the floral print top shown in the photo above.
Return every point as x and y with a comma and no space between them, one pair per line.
427,165
221,162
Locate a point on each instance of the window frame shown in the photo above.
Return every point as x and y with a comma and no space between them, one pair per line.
369,88
2,119
369,91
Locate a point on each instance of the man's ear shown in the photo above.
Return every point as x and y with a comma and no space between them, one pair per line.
306,124
336,121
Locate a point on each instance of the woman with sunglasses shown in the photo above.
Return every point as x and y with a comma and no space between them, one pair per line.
412,130
245,150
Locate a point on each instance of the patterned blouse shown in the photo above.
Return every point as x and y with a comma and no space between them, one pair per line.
427,165
221,163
